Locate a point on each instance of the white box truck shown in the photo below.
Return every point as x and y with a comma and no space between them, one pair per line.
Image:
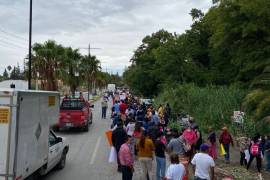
28,147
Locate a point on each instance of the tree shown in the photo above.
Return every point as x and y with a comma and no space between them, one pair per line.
47,58
239,38
141,76
89,68
69,68
5,74
196,14
13,74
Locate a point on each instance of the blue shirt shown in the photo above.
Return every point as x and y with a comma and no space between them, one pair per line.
155,119
116,108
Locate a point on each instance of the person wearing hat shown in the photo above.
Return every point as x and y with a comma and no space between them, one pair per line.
226,139
203,164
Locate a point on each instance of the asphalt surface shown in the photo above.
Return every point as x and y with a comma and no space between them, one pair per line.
88,155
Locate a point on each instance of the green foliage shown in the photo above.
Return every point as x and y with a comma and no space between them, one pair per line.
5,74
16,73
211,105
251,127
175,125
256,104
229,44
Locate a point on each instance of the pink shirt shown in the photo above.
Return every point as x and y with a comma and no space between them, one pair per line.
125,156
190,136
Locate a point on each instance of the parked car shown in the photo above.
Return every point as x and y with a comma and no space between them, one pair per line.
75,113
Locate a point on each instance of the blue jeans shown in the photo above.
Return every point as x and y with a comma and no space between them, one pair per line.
227,150
267,155
161,167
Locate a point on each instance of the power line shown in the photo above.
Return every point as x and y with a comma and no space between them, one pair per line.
8,47
12,44
10,39
14,35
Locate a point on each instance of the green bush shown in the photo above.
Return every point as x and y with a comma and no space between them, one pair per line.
256,104
210,106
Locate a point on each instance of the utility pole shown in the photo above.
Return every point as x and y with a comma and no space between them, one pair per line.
30,47
89,55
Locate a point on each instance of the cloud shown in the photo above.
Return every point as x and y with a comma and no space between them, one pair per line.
115,26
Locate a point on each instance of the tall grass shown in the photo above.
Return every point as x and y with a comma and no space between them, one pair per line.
211,106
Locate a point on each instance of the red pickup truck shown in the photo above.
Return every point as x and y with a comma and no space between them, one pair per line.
75,113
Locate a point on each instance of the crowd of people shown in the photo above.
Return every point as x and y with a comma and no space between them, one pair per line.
141,133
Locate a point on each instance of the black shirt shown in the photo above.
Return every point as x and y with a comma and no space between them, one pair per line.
160,149
118,138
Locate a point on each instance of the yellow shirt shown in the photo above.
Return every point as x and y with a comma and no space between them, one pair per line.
147,150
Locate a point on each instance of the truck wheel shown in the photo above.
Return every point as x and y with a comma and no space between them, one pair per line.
91,119
62,162
86,127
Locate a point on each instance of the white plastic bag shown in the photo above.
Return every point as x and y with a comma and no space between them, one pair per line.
113,155
247,155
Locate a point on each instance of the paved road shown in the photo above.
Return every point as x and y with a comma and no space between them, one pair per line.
88,155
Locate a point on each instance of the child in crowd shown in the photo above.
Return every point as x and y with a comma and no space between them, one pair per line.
176,171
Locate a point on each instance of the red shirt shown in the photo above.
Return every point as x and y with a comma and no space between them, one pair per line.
123,108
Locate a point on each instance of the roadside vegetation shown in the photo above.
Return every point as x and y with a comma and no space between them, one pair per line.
219,65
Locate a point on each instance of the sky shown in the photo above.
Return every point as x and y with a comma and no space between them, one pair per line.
117,27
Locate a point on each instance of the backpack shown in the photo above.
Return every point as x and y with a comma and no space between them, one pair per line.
254,149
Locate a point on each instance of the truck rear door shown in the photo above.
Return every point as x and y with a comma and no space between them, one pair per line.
4,133
6,137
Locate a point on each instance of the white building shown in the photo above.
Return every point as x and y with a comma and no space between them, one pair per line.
19,84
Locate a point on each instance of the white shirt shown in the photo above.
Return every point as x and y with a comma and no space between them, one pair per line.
130,129
203,162
175,172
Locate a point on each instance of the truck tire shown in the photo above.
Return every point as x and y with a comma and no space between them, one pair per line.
91,119
62,162
86,128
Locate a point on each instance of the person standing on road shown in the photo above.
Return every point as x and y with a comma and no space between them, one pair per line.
243,143
191,138
177,145
116,107
176,171
126,159
123,107
104,107
160,157
118,138
203,164
226,140
212,138
145,148
255,151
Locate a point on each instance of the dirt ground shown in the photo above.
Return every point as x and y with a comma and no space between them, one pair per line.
234,169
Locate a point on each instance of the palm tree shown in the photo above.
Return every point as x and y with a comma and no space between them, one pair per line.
69,68
89,68
47,59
